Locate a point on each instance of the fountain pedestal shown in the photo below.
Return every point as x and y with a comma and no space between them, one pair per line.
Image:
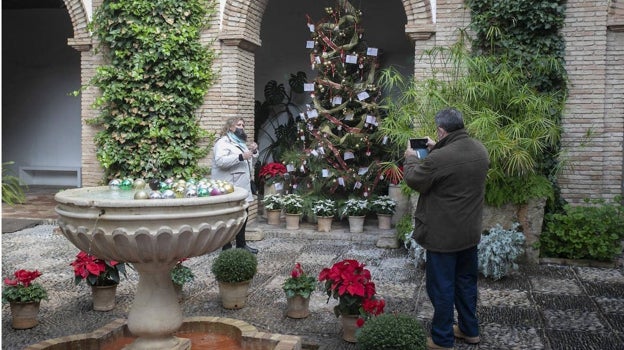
152,235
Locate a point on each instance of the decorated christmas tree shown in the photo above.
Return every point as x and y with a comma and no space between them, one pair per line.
339,148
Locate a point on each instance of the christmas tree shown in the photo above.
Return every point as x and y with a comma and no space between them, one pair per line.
341,146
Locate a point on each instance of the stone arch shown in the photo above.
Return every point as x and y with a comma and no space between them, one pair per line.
242,20
78,15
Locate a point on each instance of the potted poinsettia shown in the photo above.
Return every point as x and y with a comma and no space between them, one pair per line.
350,283
24,297
298,288
270,174
103,277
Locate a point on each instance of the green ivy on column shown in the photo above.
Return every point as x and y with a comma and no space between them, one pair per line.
156,76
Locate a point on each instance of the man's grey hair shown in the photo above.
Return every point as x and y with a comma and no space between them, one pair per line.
449,119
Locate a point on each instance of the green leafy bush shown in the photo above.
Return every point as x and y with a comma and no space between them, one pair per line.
594,231
391,331
12,191
498,251
181,274
235,265
156,76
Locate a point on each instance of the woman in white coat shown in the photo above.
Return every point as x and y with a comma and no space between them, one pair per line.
233,161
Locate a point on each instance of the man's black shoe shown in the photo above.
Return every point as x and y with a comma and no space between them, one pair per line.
249,249
227,246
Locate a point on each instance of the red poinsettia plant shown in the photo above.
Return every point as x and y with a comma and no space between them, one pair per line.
96,271
350,283
21,289
273,172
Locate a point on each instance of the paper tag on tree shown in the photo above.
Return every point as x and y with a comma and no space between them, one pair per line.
351,59
348,116
348,155
371,51
357,185
363,95
311,26
290,167
313,113
278,186
336,100
341,181
308,87
310,44
321,150
325,173
371,120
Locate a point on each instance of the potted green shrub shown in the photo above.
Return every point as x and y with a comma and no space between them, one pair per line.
293,208
355,210
24,297
180,275
324,209
273,205
234,269
392,331
384,207
298,288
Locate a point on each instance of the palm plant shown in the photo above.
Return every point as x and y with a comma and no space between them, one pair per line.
12,190
515,122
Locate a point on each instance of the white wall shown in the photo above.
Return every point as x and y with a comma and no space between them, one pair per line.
40,121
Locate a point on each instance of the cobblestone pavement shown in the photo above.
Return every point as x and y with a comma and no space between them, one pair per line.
537,307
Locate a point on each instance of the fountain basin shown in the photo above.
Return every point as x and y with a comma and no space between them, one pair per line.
243,334
113,225
152,235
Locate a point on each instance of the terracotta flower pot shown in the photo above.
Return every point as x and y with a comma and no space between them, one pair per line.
384,221
234,295
356,224
24,315
349,326
298,307
103,297
273,217
324,223
292,221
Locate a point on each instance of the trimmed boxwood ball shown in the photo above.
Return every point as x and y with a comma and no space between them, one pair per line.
235,265
392,331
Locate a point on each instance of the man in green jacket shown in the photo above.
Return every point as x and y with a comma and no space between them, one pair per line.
448,224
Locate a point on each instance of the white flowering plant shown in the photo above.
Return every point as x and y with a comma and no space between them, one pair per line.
292,203
354,207
324,207
383,205
273,202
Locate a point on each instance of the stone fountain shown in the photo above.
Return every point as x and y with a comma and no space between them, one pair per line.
152,235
